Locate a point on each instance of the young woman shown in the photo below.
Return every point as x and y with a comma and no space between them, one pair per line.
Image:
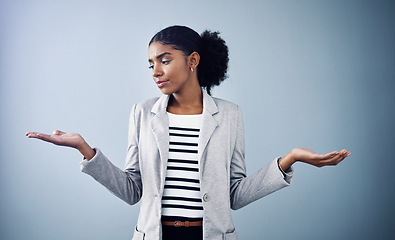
185,158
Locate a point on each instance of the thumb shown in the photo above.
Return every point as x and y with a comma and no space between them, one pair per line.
58,132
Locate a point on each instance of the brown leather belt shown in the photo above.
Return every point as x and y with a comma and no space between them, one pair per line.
183,224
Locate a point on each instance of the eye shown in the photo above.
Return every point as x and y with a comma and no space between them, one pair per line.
165,62
151,67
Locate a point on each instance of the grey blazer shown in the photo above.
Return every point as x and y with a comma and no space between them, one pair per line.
223,181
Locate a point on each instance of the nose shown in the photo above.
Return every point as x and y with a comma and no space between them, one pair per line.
157,71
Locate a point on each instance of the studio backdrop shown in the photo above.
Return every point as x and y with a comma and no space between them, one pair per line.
316,74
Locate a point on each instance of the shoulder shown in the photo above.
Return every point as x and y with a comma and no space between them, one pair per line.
224,105
143,108
229,114
145,105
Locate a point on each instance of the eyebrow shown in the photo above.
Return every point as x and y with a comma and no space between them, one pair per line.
160,56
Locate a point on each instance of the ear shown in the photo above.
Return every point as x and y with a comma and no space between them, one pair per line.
193,60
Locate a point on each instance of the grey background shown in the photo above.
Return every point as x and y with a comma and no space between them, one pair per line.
315,74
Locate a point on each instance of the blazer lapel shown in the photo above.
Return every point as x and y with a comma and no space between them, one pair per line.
160,130
209,124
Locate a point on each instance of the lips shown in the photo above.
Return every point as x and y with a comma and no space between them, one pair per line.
161,83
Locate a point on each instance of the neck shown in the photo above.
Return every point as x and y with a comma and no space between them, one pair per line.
186,102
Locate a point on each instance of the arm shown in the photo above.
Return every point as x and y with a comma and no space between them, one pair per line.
125,184
244,190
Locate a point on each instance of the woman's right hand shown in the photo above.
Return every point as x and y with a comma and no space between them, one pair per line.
60,138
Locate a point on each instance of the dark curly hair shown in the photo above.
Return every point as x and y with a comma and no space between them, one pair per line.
213,65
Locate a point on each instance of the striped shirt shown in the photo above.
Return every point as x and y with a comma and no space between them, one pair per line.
181,196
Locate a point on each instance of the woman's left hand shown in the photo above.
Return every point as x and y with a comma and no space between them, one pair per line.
319,160
310,157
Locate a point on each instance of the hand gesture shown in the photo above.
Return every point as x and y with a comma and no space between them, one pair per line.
319,160
310,157
60,138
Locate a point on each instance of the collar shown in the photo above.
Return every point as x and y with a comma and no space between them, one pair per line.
209,104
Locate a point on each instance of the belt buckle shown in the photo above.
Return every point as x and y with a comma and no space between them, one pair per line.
176,223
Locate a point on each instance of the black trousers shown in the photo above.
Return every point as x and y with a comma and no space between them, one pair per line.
182,233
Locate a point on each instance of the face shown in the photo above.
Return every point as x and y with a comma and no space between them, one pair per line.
169,67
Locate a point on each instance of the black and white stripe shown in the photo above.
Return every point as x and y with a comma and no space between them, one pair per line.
181,196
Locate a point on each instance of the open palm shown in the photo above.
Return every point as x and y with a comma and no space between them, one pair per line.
319,160
60,138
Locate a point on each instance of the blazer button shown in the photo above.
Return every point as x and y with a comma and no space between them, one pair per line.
206,198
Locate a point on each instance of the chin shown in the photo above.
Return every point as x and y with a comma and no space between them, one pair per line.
166,91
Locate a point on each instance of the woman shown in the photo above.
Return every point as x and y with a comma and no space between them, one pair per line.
185,158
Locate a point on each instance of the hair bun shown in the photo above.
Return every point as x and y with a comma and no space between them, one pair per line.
214,60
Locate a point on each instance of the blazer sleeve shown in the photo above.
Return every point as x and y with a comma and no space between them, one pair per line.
243,189
125,184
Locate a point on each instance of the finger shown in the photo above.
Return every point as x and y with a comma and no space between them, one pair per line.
42,136
327,156
329,160
338,160
347,153
344,151
32,134
29,133
335,160
334,154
